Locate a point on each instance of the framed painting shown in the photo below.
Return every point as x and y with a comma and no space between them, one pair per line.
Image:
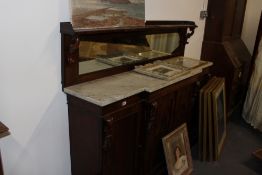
107,13
219,107
177,152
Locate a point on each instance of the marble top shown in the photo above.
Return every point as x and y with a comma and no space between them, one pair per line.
110,89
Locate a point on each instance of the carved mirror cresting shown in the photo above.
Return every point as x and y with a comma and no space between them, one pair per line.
88,54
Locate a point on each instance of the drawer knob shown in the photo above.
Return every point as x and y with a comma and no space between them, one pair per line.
123,103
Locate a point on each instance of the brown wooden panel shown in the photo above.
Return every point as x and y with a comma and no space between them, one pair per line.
214,22
3,130
123,154
158,117
239,18
167,109
223,46
229,17
85,130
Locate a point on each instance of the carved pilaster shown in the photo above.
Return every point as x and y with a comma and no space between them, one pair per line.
72,55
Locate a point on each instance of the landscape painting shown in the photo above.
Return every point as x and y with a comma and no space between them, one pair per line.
107,13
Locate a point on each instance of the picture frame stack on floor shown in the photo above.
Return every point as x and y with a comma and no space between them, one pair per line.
212,119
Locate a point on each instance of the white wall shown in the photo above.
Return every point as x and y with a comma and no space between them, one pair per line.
32,104
180,10
251,20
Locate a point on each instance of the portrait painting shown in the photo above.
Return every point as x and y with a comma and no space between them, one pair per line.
177,152
107,13
219,116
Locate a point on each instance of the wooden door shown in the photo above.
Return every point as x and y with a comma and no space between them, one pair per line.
122,141
158,118
166,113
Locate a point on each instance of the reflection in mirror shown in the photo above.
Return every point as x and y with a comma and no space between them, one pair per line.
165,43
87,57
95,56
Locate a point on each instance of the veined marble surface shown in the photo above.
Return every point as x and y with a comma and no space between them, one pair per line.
110,89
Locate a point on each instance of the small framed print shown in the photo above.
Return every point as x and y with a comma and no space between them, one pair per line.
177,152
160,70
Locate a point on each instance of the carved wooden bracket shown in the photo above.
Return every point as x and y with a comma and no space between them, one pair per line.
107,141
184,38
188,35
73,50
152,115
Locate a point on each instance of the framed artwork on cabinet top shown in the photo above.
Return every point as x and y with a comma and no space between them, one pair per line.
107,13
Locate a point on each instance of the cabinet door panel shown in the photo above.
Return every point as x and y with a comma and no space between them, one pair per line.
158,117
186,111
182,111
122,137
165,114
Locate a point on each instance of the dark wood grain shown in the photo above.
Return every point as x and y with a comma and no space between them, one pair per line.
3,129
109,144
223,46
167,109
126,139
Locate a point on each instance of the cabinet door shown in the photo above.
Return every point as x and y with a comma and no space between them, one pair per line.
158,117
164,115
122,141
184,103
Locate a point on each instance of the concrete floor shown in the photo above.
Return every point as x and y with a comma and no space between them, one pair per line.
236,158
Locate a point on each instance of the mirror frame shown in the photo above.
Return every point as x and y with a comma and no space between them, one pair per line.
70,40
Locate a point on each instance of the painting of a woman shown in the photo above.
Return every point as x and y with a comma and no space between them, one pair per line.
180,162
177,152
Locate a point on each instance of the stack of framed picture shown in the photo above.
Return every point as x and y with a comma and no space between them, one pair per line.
212,119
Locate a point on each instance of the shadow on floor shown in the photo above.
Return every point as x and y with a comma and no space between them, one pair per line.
236,157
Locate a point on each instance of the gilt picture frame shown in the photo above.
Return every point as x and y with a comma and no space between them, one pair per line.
219,107
177,152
